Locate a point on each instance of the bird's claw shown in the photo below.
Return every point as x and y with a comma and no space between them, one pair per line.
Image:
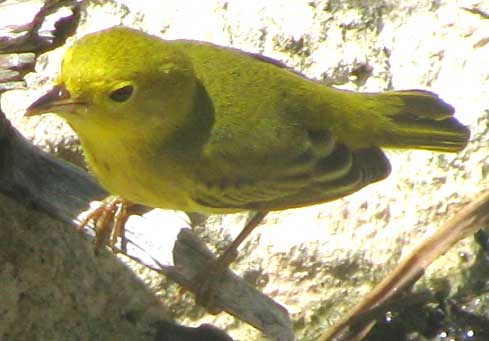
206,284
109,220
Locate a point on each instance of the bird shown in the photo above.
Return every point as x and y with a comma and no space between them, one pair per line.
193,126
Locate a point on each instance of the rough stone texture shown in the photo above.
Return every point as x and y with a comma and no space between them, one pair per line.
49,293
319,261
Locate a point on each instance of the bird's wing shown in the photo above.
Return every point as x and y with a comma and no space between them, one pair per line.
318,171
368,165
261,152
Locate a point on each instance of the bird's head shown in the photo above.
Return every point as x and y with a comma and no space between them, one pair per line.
120,77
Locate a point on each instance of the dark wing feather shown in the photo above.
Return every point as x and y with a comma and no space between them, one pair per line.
330,173
369,165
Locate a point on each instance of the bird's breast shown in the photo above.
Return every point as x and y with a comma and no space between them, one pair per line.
140,174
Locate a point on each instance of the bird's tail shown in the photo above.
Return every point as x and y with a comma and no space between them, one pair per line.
414,119
424,121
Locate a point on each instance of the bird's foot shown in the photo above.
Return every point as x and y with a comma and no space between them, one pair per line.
109,221
207,283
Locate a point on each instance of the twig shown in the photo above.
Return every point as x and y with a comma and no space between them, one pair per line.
468,221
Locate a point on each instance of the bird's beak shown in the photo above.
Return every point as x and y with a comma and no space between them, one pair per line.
56,100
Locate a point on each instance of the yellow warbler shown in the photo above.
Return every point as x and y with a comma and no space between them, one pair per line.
193,126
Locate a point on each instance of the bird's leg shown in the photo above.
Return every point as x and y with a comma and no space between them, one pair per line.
208,281
229,255
109,220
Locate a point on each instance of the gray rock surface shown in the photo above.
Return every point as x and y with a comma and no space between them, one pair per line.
53,288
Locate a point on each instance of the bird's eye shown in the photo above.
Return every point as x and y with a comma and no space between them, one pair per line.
122,94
